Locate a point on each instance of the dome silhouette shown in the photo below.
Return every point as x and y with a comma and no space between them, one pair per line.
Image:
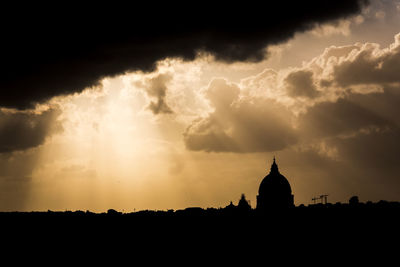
274,191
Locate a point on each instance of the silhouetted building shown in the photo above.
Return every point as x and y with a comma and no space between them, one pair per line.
230,206
275,191
243,204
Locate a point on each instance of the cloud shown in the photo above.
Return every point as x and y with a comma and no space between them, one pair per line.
24,130
340,118
346,93
336,27
50,53
370,65
380,14
360,133
156,88
240,125
21,134
354,121
375,126
300,84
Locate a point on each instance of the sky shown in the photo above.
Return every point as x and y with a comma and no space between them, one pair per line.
168,109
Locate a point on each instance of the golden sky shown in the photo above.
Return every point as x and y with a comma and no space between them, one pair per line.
202,132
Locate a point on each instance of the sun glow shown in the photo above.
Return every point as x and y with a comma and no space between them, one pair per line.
107,145
114,152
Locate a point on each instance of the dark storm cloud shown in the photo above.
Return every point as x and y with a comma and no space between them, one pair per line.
23,130
300,84
245,125
61,49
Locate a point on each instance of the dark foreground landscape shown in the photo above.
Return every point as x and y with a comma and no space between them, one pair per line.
226,234
326,218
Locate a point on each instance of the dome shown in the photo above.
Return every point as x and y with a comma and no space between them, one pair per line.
274,182
274,189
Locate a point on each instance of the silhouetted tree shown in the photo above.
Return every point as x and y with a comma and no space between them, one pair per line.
112,212
354,200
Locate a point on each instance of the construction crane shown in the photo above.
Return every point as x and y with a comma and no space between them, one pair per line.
324,198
